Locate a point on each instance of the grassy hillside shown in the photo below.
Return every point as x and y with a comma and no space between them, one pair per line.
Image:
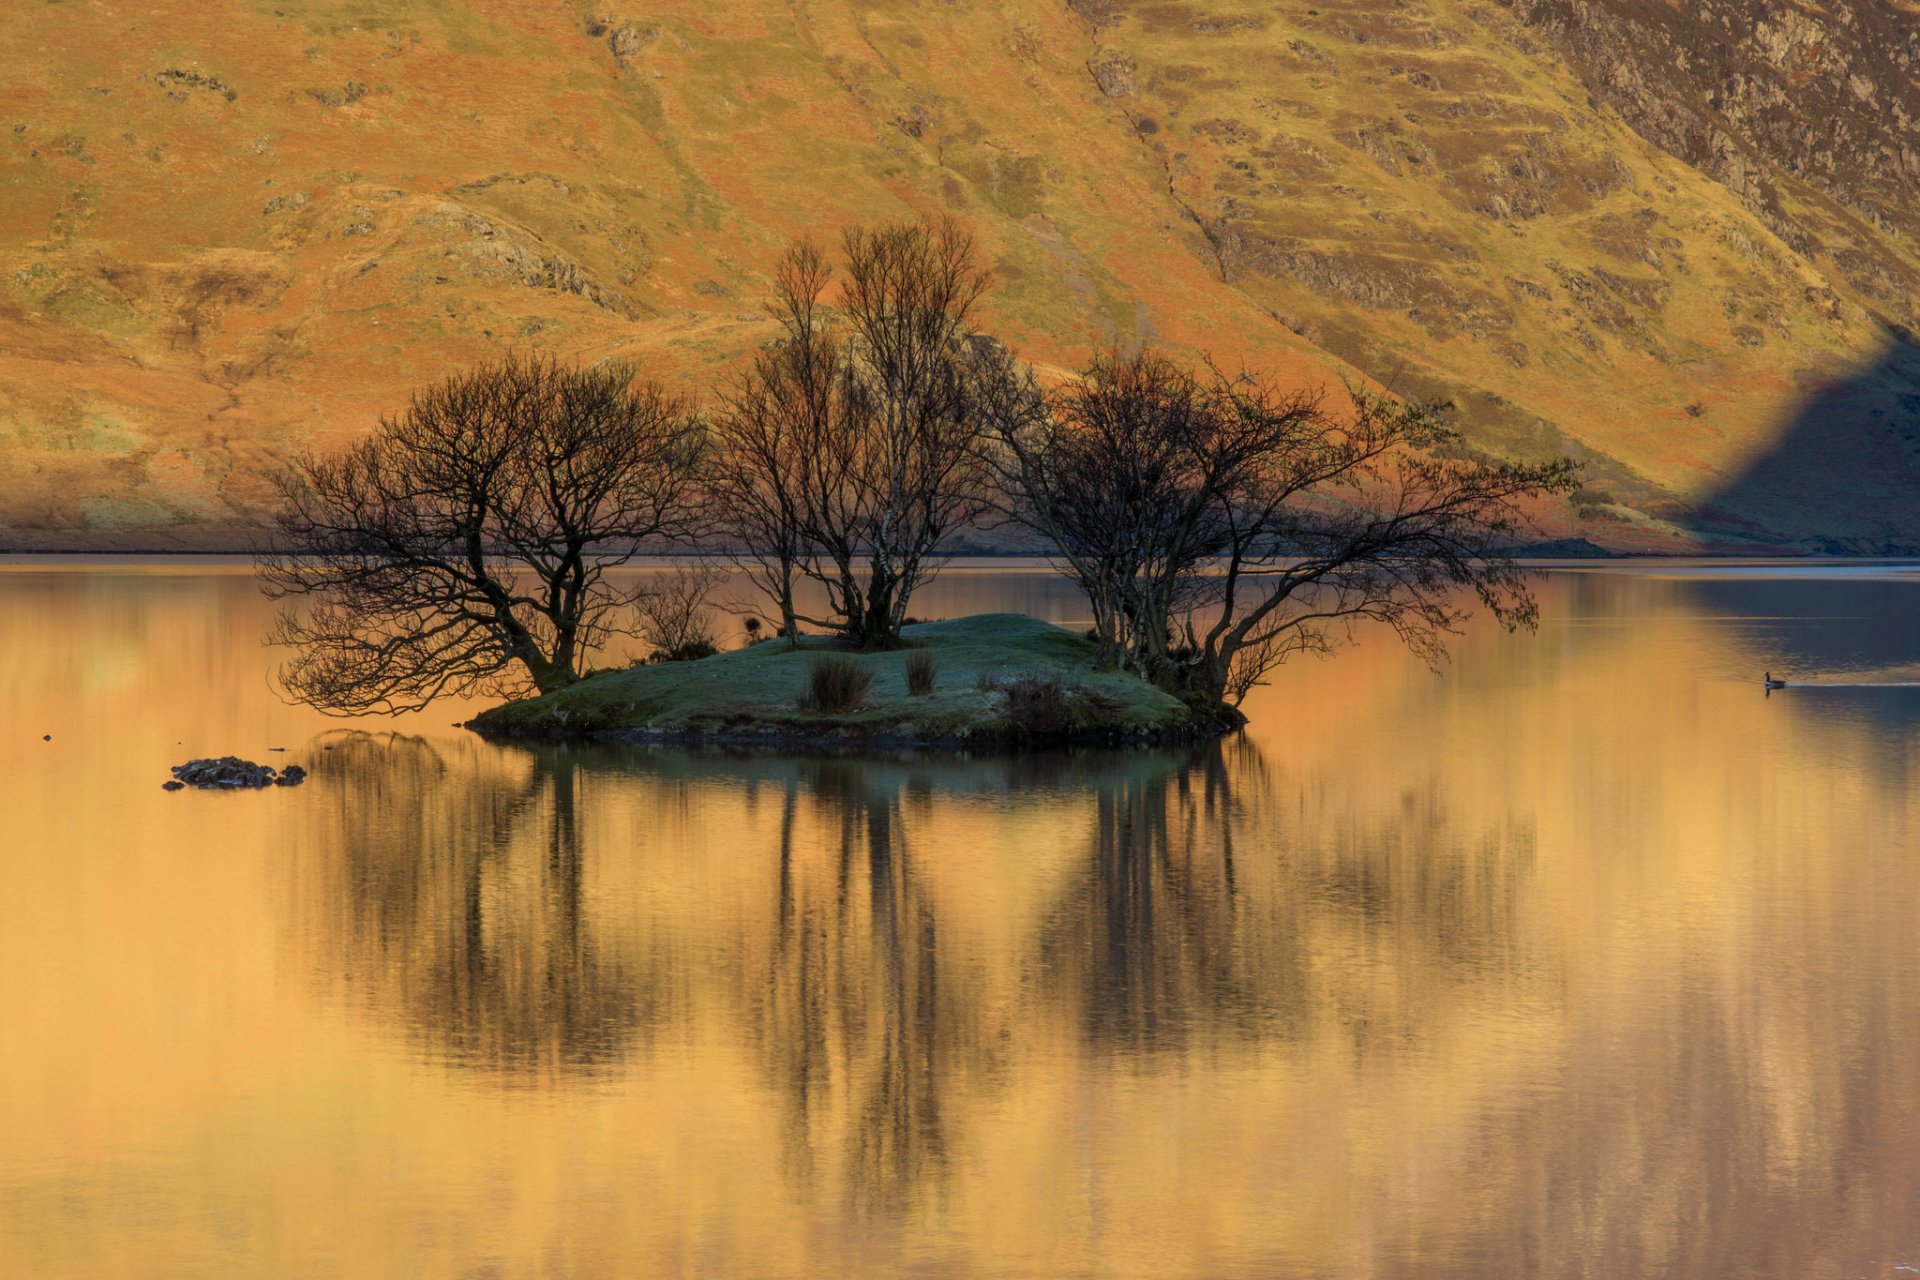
233,230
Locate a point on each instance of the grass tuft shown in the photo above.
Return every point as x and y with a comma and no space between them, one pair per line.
1038,704
921,668
835,684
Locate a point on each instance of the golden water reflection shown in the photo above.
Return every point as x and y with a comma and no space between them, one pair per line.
1583,959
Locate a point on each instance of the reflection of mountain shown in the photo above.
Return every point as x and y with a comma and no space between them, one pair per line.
1702,896
1585,959
1815,627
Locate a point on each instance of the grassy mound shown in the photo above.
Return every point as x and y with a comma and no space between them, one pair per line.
999,678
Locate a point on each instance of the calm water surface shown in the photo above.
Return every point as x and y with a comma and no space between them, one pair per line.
1582,959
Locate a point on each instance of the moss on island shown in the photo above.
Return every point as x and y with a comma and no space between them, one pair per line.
1001,679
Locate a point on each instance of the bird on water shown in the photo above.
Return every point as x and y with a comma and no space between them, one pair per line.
1771,683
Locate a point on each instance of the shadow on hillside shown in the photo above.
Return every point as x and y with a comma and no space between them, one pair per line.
1844,476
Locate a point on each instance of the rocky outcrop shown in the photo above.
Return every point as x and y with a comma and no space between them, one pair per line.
231,772
1810,115
489,250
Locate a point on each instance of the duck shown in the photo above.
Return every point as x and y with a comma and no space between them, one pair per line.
1771,683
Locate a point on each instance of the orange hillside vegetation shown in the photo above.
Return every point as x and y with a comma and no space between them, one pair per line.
231,231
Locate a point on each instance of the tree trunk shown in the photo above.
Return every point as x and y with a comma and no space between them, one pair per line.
547,674
876,629
789,619
1213,670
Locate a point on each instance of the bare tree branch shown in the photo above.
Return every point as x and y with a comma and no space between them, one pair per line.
463,546
1173,497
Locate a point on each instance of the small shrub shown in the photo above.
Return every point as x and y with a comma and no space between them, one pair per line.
1038,704
690,652
920,672
834,684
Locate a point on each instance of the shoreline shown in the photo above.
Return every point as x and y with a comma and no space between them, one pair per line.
771,739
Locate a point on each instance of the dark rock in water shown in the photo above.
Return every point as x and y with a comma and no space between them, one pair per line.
292,776
173,784
46,737
227,771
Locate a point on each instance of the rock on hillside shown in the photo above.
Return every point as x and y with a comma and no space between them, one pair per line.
1633,231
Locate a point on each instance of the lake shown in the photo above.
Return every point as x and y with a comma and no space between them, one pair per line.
1585,957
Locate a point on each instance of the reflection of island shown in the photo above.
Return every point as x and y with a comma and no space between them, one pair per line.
885,944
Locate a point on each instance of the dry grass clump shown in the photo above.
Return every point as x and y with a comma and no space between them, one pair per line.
921,668
835,683
1038,704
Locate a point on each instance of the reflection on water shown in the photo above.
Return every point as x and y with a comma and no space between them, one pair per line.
450,899
1584,959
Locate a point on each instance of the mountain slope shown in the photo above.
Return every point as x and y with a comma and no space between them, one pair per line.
229,231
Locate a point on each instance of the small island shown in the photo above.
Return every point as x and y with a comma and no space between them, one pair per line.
997,680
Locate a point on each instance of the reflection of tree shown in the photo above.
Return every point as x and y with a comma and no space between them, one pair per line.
1207,900
1152,954
1185,924
455,903
1156,949
854,996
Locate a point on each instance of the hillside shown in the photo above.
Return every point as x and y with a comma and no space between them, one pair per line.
1685,247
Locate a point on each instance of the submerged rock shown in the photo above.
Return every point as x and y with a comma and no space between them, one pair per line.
172,784
231,771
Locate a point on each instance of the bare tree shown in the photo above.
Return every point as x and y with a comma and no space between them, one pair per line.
769,433
850,449
1112,471
1387,517
463,546
674,617
1220,525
